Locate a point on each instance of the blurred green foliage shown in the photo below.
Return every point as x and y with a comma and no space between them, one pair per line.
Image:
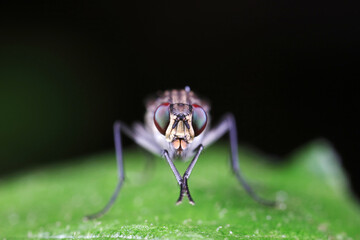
48,103
314,200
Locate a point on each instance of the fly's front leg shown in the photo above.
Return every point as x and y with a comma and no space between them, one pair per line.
172,166
184,189
177,175
182,181
141,139
228,124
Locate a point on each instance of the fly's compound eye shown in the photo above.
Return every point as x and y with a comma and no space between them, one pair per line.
162,117
199,119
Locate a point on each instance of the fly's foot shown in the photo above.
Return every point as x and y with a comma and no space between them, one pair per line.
184,189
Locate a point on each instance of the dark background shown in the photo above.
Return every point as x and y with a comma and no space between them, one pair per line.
287,70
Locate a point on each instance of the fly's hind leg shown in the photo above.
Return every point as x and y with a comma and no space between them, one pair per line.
141,138
228,124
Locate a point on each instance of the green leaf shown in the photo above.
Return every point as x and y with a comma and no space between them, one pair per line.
311,188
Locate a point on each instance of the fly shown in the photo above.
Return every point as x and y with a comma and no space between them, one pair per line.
177,126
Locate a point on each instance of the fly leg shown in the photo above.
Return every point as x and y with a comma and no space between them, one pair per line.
141,139
184,189
172,166
182,181
228,124
178,177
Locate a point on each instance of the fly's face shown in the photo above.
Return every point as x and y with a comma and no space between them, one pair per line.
180,123
180,131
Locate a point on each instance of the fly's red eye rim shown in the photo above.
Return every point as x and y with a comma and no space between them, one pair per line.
201,129
162,129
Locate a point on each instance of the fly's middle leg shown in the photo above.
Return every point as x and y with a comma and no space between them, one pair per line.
143,139
228,124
